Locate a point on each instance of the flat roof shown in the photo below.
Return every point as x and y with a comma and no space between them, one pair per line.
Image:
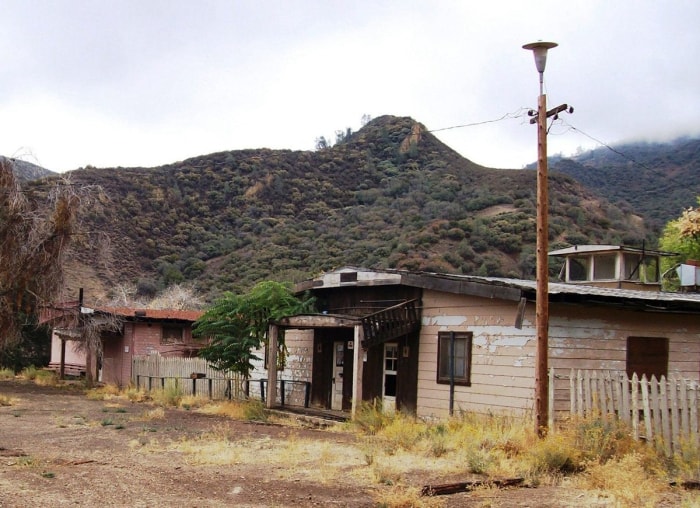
588,249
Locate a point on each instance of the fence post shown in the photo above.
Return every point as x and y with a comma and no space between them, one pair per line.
262,390
194,386
674,415
211,390
282,391
646,408
307,394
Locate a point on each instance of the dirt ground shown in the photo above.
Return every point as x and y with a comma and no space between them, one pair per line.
59,448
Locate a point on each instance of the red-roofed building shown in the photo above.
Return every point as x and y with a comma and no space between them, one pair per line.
167,332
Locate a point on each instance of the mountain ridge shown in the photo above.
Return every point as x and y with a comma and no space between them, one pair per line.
390,195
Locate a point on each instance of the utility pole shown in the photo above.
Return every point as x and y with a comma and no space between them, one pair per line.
542,270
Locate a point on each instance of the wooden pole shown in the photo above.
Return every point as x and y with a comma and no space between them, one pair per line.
357,370
272,365
542,296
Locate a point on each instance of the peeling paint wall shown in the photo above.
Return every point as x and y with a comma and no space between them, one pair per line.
298,367
595,338
503,357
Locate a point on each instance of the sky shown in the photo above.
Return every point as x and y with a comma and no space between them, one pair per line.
142,83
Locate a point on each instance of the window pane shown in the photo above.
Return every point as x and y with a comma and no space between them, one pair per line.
632,266
462,343
604,267
651,269
390,385
578,268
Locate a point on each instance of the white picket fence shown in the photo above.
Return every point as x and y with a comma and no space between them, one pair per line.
662,411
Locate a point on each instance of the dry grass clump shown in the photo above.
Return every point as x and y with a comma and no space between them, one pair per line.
170,395
105,392
6,374
626,480
406,497
41,377
157,413
250,410
6,400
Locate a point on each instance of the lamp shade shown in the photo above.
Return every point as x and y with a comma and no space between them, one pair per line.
539,49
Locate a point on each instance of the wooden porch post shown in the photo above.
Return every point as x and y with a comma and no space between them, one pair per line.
271,396
357,366
62,368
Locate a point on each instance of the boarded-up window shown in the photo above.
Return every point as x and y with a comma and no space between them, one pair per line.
454,357
647,356
172,334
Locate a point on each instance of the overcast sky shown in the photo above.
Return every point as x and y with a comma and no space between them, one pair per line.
145,83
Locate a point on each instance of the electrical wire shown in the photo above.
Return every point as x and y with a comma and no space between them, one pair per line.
519,113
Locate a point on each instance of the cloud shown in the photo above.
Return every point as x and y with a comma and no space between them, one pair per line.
122,83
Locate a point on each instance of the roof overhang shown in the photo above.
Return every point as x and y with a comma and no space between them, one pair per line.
308,321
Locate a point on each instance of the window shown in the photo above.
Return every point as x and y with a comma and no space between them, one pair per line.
391,367
604,267
647,356
643,269
458,366
172,334
632,265
578,268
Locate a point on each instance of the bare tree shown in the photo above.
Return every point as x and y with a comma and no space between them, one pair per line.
37,227
178,297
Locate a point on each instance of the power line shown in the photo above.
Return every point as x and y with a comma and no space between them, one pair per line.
519,113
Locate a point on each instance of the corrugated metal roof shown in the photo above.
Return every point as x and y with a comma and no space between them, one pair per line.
468,284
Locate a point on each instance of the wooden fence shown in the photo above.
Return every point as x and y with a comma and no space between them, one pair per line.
662,411
194,376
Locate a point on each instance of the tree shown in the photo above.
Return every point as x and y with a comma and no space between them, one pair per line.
178,296
682,235
37,227
238,324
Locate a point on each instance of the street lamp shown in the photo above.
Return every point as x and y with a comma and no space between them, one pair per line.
542,272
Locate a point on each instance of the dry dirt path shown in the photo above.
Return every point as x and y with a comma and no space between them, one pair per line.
55,451
59,448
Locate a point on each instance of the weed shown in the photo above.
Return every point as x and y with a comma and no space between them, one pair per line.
107,421
7,374
48,474
625,479
157,413
43,377
386,474
188,402
170,395
370,418
6,400
29,373
406,497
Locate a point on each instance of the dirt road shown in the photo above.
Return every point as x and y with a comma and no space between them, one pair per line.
59,448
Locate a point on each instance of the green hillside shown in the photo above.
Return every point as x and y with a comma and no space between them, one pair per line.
390,195
656,180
